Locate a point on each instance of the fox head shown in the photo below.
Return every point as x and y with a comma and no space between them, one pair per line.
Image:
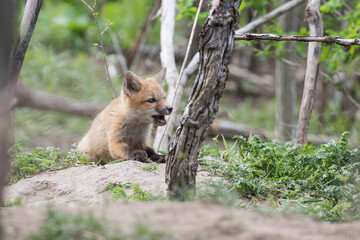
146,98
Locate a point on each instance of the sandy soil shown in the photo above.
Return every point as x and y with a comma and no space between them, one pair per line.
81,189
87,183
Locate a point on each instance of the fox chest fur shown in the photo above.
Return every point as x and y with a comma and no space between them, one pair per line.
121,129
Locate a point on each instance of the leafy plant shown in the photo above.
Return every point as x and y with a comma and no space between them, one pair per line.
319,176
39,160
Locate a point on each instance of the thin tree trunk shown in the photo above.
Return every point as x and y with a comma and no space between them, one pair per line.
7,21
285,83
315,22
216,44
10,66
167,56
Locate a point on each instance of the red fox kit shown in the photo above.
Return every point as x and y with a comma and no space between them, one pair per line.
121,129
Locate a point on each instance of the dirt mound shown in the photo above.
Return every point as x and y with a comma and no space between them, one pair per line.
87,183
82,189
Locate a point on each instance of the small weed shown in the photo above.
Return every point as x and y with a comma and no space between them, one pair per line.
149,167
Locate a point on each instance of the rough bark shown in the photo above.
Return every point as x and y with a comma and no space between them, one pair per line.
216,44
6,32
319,39
11,69
286,83
314,19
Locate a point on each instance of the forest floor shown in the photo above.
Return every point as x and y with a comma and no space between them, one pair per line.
82,189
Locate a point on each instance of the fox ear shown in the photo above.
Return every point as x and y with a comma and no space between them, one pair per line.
132,83
161,76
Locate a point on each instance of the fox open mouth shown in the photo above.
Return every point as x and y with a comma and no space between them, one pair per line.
159,120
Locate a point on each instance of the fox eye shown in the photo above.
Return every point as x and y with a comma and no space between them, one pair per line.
151,100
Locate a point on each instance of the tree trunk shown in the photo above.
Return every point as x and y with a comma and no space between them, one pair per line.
216,44
10,69
314,19
7,21
286,83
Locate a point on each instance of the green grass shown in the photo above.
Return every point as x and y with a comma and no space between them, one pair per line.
24,164
118,190
149,167
321,179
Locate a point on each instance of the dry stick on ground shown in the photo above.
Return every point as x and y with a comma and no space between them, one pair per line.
274,37
216,44
314,19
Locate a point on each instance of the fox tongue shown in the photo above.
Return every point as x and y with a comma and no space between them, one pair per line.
160,121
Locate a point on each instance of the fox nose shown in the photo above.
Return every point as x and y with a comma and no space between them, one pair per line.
169,109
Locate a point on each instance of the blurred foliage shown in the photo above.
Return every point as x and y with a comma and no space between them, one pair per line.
70,25
59,225
327,176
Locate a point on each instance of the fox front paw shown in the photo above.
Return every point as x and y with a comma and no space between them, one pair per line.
154,156
140,156
158,158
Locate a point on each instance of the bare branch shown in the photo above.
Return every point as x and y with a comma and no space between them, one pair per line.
270,16
119,54
132,54
31,13
274,37
91,9
25,97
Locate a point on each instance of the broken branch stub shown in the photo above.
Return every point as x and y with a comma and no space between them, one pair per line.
216,44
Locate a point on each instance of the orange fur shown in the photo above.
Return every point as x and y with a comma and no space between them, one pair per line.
121,129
